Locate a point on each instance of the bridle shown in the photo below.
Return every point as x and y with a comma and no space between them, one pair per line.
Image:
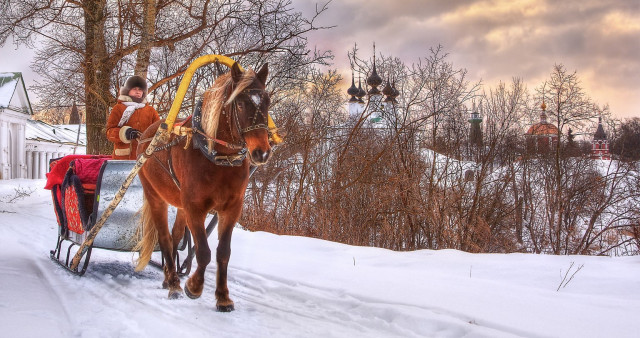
206,143
255,97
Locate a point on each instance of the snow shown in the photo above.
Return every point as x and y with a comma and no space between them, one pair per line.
8,83
62,133
286,286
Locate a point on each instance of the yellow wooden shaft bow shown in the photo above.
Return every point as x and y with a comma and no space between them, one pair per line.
184,86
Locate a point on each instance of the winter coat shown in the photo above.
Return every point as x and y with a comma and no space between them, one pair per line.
141,119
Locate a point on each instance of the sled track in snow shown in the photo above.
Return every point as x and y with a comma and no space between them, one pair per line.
364,316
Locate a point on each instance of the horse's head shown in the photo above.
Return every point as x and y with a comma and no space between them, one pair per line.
240,97
252,106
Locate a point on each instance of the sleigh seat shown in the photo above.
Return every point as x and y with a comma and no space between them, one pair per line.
72,180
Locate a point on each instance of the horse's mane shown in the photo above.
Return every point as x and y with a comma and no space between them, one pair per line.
221,94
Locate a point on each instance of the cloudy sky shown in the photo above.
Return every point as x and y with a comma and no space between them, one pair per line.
494,40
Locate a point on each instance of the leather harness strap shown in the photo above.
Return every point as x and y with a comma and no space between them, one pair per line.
205,143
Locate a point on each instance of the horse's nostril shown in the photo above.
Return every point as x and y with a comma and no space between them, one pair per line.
260,156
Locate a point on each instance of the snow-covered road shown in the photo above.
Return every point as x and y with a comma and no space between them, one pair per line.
300,287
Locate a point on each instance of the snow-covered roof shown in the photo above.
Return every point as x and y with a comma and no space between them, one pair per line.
13,93
63,134
8,83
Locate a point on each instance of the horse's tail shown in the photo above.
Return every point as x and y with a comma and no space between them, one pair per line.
149,236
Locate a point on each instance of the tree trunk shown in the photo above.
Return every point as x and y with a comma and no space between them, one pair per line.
146,39
96,78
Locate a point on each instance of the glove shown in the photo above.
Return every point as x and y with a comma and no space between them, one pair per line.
131,133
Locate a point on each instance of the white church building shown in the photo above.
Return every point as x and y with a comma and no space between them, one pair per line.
26,146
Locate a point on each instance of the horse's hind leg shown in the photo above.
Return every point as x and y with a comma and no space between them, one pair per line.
159,217
178,233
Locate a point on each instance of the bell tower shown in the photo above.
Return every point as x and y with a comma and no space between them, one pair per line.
600,144
475,132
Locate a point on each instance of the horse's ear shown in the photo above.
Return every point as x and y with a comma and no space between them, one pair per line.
236,73
262,73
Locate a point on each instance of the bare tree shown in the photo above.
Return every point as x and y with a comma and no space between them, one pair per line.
625,142
90,46
568,106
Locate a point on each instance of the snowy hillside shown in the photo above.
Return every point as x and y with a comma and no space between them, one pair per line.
301,287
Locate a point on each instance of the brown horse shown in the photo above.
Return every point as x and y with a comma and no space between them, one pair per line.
234,124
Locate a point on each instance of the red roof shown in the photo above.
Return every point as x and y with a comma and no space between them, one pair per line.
542,129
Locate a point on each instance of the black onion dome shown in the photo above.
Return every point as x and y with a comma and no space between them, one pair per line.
361,92
353,90
396,92
374,80
387,90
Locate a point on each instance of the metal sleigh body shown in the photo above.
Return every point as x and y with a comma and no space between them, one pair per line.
119,231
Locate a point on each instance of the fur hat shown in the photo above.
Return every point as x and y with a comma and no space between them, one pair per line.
134,81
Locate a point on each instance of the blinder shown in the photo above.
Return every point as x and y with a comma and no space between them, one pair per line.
255,97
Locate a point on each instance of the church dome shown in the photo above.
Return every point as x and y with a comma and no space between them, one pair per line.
353,90
542,129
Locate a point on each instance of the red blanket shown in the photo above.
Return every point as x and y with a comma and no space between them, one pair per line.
59,169
88,169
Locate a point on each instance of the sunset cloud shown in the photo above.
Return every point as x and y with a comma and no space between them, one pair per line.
496,40
617,22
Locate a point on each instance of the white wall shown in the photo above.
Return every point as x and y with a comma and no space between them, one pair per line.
12,143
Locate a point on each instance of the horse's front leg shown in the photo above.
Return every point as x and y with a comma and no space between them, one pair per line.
226,224
194,285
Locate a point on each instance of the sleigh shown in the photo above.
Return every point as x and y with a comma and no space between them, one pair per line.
82,187
88,192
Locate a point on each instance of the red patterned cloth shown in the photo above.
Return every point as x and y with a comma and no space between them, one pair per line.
59,168
72,211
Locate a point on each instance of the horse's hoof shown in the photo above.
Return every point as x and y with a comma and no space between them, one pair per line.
175,294
165,285
189,294
225,308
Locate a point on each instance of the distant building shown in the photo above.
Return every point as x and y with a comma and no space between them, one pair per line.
376,105
600,144
542,136
26,146
475,131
